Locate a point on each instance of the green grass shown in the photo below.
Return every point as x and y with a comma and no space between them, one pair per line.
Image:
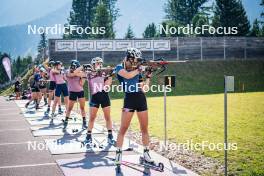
207,77
10,90
200,118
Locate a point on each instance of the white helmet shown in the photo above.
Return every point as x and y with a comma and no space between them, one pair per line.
97,60
133,53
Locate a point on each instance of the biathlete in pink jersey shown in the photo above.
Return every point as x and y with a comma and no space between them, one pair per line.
61,86
75,87
49,65
99,97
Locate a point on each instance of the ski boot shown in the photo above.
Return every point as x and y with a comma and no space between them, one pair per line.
110,139
27,104
65,124
45,102
84,124
88,142
60,111
37,106
46,113
52,116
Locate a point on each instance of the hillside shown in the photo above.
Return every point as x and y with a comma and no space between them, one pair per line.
15,39
207,77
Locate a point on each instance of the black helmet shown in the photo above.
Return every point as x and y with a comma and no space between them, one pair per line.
51,63
74,64
57,63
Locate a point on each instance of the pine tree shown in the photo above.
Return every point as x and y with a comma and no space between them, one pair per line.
199,20
18,65
255,31
42,44
103,19
162,33
82,15
129,34
113,11
150,31
231,13
167,25
183,11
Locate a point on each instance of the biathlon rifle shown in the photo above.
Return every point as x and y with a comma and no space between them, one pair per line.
157,65
103,71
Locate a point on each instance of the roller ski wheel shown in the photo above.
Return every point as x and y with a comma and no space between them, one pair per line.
127,164
75,130
151,165
52,116
118,169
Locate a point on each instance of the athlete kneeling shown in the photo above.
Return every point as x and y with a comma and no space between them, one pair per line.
75,86
129,76
99,97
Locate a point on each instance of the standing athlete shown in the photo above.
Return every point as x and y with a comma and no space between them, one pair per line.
75,86
61,86
34,85
18,88
52,85
43,85
99,97
129,76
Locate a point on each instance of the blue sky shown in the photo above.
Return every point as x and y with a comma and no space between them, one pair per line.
138,13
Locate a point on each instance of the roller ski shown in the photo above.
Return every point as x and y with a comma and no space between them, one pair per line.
148,162
52,116
118,162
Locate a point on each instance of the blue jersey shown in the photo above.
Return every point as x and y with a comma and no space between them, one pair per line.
37,77
129,85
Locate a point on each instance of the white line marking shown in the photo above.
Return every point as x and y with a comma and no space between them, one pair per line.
5,109
10,120
22,129
27,165
14,113
18,143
